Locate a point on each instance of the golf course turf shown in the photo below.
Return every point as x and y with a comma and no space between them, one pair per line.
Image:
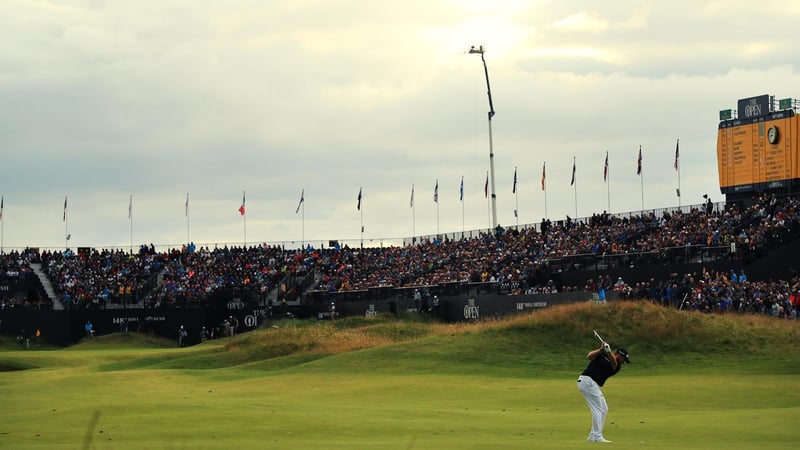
696,381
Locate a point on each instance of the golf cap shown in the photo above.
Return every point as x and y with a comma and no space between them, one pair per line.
624,354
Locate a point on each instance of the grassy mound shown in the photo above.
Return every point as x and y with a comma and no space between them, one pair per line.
538,342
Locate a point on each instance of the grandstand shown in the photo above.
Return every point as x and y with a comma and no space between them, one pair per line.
683,257
735,256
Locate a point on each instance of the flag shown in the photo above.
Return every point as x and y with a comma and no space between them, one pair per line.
241,208
359,200
64,218
573,172
544,177
486,186
186,210
605,169
461,190
130,206
436,192
639,162
412,196
514,189
677,153
302,199
2,201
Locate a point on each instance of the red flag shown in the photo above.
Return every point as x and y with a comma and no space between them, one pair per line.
677,153
241,208
543,174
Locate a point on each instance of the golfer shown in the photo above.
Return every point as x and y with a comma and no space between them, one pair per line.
603,363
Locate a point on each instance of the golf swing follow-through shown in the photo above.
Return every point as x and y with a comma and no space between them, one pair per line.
603,363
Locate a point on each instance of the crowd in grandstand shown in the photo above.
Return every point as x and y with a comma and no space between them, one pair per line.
522,258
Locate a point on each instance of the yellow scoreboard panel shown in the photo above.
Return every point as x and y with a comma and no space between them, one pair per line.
758,154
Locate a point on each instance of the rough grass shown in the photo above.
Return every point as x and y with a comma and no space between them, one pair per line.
514,346
646,330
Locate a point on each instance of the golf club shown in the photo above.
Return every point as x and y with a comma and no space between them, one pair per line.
598,336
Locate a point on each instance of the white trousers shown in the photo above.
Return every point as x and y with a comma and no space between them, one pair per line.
597,405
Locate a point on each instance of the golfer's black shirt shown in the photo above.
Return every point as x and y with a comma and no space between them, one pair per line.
600,368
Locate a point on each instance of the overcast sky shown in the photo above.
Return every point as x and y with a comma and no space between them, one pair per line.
104,100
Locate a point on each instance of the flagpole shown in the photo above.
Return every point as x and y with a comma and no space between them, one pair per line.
516,198
186,212
244,221
544,187
641,182
488,206
66,226
413,217
2,226
436,200
130,217
302,204
302,217
361,213
641,177
607,179
575,187
461,197
678,168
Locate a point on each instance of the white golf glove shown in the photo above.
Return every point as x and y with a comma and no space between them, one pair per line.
606,347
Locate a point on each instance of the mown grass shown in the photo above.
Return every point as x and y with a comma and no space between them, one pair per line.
696,381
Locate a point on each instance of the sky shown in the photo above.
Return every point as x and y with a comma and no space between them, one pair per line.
123,108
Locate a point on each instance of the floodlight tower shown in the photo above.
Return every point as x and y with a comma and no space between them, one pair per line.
480,50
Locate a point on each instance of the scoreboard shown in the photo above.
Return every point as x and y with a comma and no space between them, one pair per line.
758,151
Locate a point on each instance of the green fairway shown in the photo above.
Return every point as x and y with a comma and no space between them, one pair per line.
500,385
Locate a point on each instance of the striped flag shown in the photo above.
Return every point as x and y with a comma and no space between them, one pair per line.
639,162
302,199
677,153
514,189
573,172
436,192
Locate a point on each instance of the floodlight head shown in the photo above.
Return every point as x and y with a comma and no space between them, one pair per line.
479,49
